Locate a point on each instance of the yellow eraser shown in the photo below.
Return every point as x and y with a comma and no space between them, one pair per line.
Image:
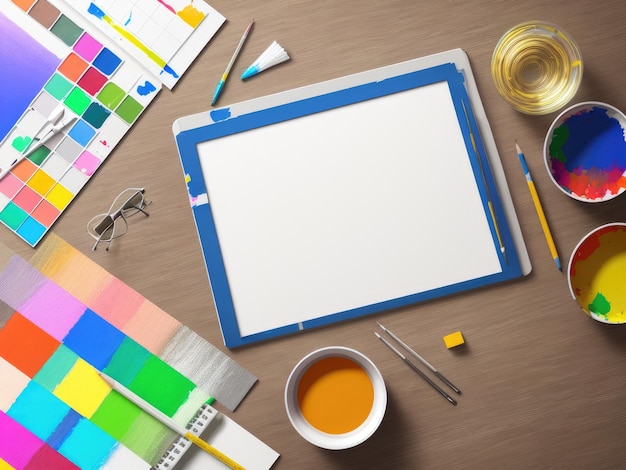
453,339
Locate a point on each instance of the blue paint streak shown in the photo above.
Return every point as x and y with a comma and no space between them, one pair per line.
596,140
220,114
146,88
64,429
170,70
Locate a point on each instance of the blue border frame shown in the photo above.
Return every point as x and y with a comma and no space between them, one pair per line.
188,140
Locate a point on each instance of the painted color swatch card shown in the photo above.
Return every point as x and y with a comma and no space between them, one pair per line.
403,198
57,65
62,320
165,36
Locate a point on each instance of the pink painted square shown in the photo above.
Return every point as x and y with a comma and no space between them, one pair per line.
87,47
10,185
27,199
87,163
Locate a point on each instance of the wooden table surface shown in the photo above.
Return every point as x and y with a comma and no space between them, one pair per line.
543,384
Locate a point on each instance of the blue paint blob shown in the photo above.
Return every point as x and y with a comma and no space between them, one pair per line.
96,11
592,140
31,231
107,61
146,88
220,114
82,133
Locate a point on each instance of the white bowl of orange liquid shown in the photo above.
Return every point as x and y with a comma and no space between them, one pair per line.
335,398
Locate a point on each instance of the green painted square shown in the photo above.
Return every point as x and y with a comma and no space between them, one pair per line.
162,386
148,438
78,101
58,86
39,155
13,216
111,95
127,361
129,109
66,30
115,415
56,368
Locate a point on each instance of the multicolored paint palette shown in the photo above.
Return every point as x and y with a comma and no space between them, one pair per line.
156,33
597,271
63,319
585,152
69,69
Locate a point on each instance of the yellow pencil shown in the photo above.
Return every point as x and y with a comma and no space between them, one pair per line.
538,208
170,423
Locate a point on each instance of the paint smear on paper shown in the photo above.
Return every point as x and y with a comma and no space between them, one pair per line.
597,274
31,65
146,88
588,155
191,15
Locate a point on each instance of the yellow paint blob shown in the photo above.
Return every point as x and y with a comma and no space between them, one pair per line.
82,389
191,15
335,395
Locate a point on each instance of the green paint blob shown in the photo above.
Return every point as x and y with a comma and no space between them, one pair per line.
600,305
559,137
13,216
129,109
20,143
162,386
78,101
111,95
127,361
56,368
58,86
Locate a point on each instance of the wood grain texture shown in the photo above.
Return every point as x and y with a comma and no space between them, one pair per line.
543,385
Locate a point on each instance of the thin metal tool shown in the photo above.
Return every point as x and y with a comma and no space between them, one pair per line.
416,369
421,359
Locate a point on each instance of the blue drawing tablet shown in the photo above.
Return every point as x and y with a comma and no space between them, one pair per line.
349,197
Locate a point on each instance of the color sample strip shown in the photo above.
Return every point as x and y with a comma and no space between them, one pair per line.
53,366
66,387
127,310
105,95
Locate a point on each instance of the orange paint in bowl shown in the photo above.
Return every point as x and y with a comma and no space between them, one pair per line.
335,395
335,398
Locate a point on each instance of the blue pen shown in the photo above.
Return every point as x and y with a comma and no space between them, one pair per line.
222,81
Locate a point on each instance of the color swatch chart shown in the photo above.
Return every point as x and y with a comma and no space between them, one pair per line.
55,409
156,33
87,80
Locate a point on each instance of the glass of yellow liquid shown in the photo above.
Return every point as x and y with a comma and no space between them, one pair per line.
537,67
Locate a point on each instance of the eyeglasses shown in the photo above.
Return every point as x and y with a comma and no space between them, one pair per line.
107,227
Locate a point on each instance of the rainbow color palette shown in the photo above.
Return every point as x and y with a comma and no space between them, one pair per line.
100,62
64,67
57,334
